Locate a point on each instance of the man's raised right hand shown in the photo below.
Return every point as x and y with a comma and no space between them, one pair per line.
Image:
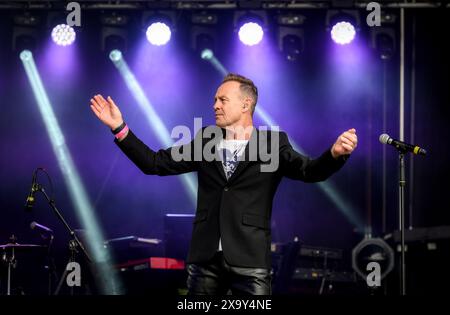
107,111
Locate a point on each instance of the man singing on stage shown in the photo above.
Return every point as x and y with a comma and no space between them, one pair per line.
231,238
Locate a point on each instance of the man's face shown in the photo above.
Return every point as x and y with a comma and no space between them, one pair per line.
228,104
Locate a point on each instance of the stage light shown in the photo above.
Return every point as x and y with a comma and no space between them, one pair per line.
343,33
207,54
26,33
372,250
114,31
203,31
342,25
291,35
383,37
115,55
251,33
158,33
158,26
291,42
249,25
203,37
63,35
25,55
384,42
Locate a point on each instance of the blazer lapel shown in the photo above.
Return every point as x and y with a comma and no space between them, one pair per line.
218,162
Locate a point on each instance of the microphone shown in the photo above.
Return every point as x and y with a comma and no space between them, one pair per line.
29,203
40,227
402,146
44,231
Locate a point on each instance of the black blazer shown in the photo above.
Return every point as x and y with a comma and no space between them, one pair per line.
237,210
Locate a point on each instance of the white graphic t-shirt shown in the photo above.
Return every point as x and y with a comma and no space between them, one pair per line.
230,152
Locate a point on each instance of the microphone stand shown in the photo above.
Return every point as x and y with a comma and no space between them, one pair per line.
402,150
401,204
50,264
74,243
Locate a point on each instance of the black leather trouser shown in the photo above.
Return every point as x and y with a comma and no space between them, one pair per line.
217,278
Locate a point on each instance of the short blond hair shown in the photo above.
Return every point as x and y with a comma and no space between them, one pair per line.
246,85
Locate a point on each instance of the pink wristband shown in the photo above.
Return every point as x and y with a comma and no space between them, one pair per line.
122,132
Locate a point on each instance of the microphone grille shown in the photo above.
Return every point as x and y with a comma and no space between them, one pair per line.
32,225
384,138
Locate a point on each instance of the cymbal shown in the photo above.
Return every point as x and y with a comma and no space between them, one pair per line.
20,246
